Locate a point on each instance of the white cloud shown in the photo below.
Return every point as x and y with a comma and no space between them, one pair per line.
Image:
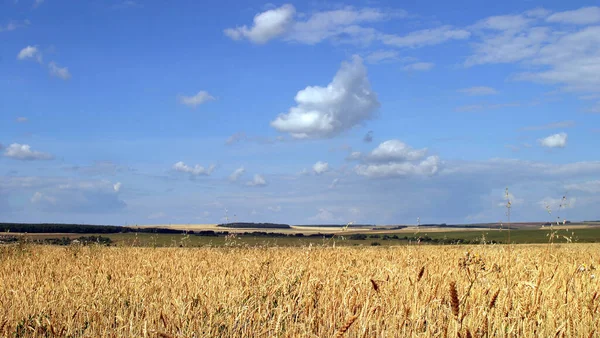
502,23
30,52
117,186
24,152
572,59
257,181
267,25
197,170
552,54
196,100
581,16
478,91
425,37
341,22
334,183
554,141
236,174
395,150
482,107
60,72
393,158
320,167
381,56
13,25
340,25
419,66
427,167
324,112
592,187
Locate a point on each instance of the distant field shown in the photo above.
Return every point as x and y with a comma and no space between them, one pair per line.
582,234
302,229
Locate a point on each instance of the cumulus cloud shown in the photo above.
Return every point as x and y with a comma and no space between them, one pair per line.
320,167
425,37
395,150
267,25
30,52
419,66
581,16
196,100
478,91
236,174
257,181
323,112
24,152
393,158
554,141
60,72
197,170
427,167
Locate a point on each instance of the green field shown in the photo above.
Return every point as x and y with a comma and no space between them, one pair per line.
520,236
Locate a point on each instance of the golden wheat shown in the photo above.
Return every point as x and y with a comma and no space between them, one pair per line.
298,292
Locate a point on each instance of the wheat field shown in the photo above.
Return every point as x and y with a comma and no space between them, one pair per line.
407,291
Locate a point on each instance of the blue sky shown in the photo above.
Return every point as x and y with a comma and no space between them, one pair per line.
133,112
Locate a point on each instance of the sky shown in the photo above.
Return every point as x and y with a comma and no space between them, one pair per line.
378,112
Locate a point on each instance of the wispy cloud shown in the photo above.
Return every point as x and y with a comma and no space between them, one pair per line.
478,91
419,66
196,100
60,72
553,125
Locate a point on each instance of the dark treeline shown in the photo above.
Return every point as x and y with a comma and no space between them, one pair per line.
79,228
419,239
210,233
243,225
66,228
